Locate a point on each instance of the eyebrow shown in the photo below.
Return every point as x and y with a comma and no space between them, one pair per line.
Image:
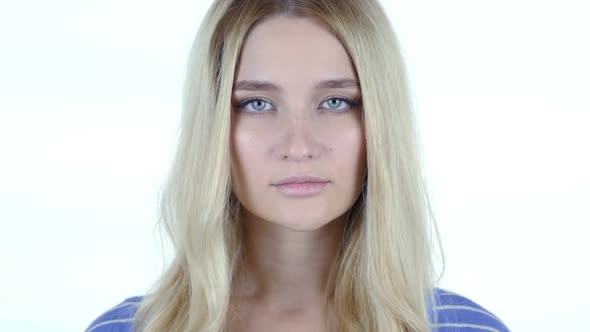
254,85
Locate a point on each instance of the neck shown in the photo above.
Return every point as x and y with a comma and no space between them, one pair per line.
283,268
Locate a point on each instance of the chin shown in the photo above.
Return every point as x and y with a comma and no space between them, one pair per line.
302,223
298,219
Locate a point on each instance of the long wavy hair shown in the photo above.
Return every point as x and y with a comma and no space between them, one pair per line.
383,277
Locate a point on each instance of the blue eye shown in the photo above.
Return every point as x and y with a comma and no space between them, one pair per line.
335,103
258,105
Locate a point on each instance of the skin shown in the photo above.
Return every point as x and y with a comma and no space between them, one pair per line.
296,129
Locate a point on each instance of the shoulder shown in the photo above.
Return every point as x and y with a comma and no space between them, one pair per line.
456,313
118,318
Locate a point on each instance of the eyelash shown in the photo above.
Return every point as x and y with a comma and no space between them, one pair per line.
351,105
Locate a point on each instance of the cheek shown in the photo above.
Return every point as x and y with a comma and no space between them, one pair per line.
347,144
247,157
349,164
352,157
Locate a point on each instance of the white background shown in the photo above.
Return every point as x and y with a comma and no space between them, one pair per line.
90,99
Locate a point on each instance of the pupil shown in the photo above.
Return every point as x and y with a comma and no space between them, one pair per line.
258,104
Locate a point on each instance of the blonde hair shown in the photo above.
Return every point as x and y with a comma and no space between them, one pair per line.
383,277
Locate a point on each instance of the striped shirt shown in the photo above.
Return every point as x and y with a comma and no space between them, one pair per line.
455,313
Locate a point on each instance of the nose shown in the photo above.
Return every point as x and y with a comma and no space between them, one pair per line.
297,141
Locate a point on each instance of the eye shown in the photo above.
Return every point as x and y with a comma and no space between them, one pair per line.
257,106
339,105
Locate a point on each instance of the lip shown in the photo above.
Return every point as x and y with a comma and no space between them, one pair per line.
301,179
301,186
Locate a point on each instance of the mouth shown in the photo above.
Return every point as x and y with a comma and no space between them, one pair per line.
301,179
301,186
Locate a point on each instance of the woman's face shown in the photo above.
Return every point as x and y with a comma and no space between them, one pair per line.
294,115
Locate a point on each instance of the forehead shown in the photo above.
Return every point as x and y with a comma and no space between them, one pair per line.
290,49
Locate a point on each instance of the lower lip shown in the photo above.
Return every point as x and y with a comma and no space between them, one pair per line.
303,189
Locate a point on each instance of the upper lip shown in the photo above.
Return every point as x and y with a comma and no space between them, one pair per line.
301,179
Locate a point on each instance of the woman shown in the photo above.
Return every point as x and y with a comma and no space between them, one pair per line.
296,200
